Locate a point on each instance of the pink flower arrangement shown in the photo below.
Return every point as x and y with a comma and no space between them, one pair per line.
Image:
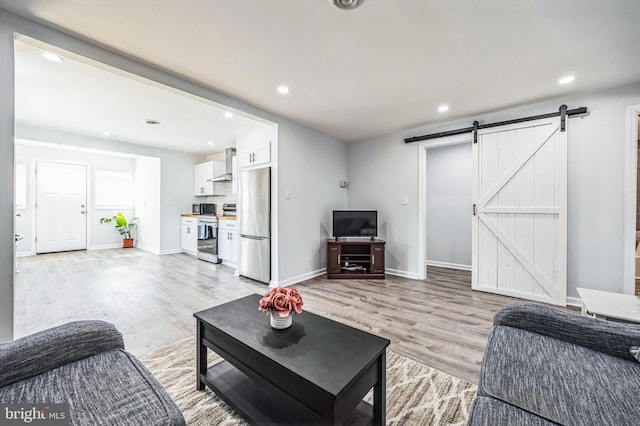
281,300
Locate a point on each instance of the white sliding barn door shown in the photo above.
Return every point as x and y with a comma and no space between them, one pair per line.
520,221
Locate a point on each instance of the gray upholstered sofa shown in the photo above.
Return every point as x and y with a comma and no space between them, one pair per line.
544,366
84,364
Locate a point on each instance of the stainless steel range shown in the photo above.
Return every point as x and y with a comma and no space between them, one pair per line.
208,238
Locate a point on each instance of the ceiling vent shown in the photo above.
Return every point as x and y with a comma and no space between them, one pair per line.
347,4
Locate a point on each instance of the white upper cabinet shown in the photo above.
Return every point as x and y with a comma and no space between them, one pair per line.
201,172
254,146
202,175
255,155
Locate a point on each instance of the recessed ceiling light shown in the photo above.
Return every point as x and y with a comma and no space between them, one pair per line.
347,4
151,121
566,79
52,57
283,90
228,114
210,143
443,108
106,134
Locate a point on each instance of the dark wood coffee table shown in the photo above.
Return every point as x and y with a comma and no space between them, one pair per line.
315,372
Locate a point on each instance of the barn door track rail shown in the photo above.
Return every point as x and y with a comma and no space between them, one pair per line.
562,112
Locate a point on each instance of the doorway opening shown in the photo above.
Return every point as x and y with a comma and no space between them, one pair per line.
449,197
92,105
637,239
432,202
631,208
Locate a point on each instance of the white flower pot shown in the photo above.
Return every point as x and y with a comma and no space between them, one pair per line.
279,322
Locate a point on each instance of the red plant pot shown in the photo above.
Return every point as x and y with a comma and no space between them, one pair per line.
127,243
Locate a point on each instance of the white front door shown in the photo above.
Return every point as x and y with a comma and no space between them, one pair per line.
61,206
520,221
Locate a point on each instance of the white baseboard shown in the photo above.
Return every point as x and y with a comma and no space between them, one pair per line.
105,246
26,253
404,274
299,278
448,265
159,252
147,249
173,251
574,301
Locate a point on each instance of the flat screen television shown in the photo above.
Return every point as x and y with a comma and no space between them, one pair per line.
355,223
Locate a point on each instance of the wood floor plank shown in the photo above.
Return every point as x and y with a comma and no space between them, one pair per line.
151,299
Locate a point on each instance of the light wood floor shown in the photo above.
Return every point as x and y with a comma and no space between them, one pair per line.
440,322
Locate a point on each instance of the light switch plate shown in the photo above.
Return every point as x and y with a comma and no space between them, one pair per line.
405,200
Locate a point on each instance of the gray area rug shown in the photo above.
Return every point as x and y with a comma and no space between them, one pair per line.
416,394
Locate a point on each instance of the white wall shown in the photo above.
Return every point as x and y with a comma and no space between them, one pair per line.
148,202
176,195
381,172
596,166
310,167
7,246
449,200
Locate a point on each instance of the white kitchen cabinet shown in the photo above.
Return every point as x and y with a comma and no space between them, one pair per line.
255,154
202,175
189,235
228,241
202,172
236,176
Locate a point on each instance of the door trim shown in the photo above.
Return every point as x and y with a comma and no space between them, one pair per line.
423,148
631,176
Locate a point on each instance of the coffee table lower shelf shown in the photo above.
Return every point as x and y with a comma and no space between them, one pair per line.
262,404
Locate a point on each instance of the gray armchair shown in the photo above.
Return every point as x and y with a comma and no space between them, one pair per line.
84,364
544,366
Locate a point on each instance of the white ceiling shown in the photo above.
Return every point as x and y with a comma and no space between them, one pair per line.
385,66
83,97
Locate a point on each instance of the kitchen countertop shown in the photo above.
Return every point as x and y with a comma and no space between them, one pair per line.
198,215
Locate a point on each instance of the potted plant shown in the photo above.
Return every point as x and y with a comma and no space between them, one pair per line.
280,304
123,227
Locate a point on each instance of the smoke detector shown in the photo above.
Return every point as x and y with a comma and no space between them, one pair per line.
347,4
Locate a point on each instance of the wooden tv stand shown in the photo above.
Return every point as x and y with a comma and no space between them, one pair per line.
355,258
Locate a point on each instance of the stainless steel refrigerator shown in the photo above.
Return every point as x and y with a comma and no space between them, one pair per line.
254,215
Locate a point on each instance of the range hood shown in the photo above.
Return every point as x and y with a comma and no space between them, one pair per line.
229,153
